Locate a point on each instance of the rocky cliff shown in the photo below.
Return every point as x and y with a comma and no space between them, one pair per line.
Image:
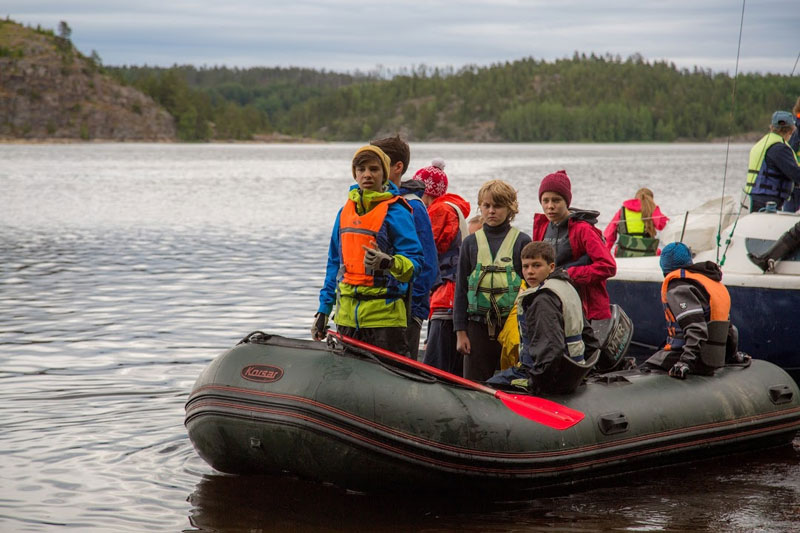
48,90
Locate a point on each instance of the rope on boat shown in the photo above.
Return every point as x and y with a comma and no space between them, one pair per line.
721,262
255,337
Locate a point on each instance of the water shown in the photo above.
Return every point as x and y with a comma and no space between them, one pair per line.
125,268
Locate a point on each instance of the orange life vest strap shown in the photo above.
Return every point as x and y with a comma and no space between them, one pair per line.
356,231
719,302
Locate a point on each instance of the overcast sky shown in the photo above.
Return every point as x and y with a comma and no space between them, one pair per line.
349,35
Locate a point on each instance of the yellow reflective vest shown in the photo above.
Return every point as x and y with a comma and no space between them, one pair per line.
757,155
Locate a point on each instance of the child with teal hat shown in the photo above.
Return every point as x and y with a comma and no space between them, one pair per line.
674,256
700,336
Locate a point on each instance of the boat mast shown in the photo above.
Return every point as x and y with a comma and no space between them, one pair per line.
721,262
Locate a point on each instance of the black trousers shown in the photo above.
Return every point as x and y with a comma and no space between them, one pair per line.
440,350
392,339
484,357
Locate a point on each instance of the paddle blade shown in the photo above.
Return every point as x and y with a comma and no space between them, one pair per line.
539,410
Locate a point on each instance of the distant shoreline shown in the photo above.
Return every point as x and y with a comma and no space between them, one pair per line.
315,141
258,139
739,139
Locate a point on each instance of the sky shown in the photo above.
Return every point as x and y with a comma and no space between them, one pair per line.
352,35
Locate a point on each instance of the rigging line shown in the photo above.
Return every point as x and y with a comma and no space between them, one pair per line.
795,64
728,147
671,216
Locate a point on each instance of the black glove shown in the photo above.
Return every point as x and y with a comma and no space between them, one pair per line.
320,326
741,358
679,370
374,259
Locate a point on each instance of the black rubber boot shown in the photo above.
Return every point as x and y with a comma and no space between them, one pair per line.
760,261
786,244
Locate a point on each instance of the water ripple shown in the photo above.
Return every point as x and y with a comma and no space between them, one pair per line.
126,268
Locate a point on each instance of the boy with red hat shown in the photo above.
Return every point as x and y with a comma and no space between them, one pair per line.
579,245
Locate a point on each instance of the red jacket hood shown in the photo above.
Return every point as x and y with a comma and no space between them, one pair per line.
462,204
634,204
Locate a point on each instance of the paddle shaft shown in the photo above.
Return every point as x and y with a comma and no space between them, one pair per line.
533,408
415,364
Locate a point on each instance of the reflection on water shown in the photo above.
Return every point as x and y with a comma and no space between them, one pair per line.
124,269
708,496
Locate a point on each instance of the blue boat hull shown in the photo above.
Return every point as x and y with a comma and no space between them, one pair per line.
763,317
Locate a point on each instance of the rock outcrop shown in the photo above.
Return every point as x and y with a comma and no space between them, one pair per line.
49,91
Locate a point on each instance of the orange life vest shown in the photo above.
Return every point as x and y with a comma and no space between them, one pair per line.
356,231
719,302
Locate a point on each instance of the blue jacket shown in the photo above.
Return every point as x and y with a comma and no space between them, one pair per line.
794,140
778,173
397,236
428,275
792,203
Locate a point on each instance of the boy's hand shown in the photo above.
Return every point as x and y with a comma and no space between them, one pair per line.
462,343
320,326
374,259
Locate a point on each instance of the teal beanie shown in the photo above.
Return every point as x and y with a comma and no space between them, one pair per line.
675,255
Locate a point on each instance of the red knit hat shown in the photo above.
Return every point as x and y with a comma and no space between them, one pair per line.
434,178
557,182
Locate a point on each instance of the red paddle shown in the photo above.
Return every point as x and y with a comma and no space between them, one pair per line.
550,414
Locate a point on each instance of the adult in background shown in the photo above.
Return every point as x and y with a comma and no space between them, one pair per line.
579,245
635,225
793,203
448,213
794,140
787,244
399,154
773,170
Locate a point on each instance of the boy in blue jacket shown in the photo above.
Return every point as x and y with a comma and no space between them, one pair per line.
372,257
428,275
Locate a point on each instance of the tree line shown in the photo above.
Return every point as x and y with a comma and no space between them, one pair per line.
584,98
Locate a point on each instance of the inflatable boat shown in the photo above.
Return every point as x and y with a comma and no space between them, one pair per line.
366,419
763,306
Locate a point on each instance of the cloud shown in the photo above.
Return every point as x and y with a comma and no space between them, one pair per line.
349,34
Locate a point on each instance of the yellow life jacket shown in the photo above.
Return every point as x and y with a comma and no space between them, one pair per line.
631,222
632,240
757,155
493,285
509,335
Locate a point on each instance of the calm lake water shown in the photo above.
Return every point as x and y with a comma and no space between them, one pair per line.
125,268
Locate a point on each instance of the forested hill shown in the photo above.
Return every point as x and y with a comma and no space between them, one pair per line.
585,98
48,89
231,103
